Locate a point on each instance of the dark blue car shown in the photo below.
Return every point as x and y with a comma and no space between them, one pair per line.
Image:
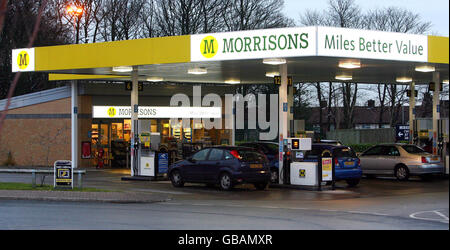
271,150
348,165
226,166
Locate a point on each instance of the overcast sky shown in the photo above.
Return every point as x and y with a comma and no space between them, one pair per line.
434,11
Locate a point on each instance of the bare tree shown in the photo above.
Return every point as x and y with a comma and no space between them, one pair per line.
395,19
399,20
344,13
254,14
147,19
3,5
178,17
397,98
382,89
37,12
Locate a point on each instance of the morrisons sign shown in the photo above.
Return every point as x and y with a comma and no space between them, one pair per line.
309,41
288,42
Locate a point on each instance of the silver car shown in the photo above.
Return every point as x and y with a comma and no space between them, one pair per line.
400,160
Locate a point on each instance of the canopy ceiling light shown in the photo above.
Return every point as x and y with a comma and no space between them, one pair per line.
350,64
232,81
344,77
122,69
275,61
198,71
404,79
155,79
425,68
272,74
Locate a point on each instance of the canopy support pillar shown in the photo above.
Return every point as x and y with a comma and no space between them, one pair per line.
412,111
74,123
283,118
134,122
436,110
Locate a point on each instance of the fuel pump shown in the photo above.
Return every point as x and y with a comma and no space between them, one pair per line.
443,140
135,145
297,171
146,155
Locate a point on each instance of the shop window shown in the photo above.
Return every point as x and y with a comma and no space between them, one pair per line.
127,130
104,138
116,131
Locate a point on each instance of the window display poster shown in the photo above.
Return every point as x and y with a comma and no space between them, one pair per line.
327,169
86,150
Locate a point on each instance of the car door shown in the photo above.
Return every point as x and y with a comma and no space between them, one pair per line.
369,160
193,169
390,158
213,164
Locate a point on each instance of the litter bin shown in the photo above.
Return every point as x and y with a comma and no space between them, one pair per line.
63,174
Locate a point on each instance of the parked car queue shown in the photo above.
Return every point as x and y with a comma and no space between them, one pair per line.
257,163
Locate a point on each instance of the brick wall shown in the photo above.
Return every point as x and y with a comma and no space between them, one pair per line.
40,134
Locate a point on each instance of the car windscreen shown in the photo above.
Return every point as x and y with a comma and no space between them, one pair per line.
413,149
271,148
251,156
313,154
344,153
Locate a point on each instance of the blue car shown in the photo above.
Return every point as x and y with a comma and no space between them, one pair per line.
348,165
223,165
271,150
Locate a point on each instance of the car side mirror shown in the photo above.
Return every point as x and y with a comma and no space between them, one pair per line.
191,160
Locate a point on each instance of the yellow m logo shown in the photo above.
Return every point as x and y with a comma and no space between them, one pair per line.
209,47
23,60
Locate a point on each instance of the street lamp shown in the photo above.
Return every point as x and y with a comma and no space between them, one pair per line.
76,12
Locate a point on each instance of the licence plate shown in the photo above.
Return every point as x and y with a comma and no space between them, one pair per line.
349,163
256,166
435,159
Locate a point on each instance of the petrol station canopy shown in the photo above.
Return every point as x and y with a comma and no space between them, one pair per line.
313,54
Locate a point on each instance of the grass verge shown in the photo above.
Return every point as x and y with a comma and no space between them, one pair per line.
26,187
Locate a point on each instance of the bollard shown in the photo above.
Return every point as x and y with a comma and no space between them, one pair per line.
80,180
33,178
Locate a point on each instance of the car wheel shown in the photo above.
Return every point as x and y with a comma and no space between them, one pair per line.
402,173
177,180
261,186
225,182
353,182
274,176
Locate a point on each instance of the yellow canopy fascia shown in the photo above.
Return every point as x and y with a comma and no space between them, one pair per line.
64,77
113,54
438,49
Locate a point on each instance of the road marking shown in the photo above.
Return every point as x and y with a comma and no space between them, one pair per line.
174,204
272,207
161,191
369,213
234,206
202,204
444,218
442,215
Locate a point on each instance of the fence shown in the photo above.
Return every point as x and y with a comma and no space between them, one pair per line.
363,136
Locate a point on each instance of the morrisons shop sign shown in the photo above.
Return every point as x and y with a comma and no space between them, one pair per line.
309,41
289,42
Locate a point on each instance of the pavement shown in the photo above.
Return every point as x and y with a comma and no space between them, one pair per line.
120,191
112,192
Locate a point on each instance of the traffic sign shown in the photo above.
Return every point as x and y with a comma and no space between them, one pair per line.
402,132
